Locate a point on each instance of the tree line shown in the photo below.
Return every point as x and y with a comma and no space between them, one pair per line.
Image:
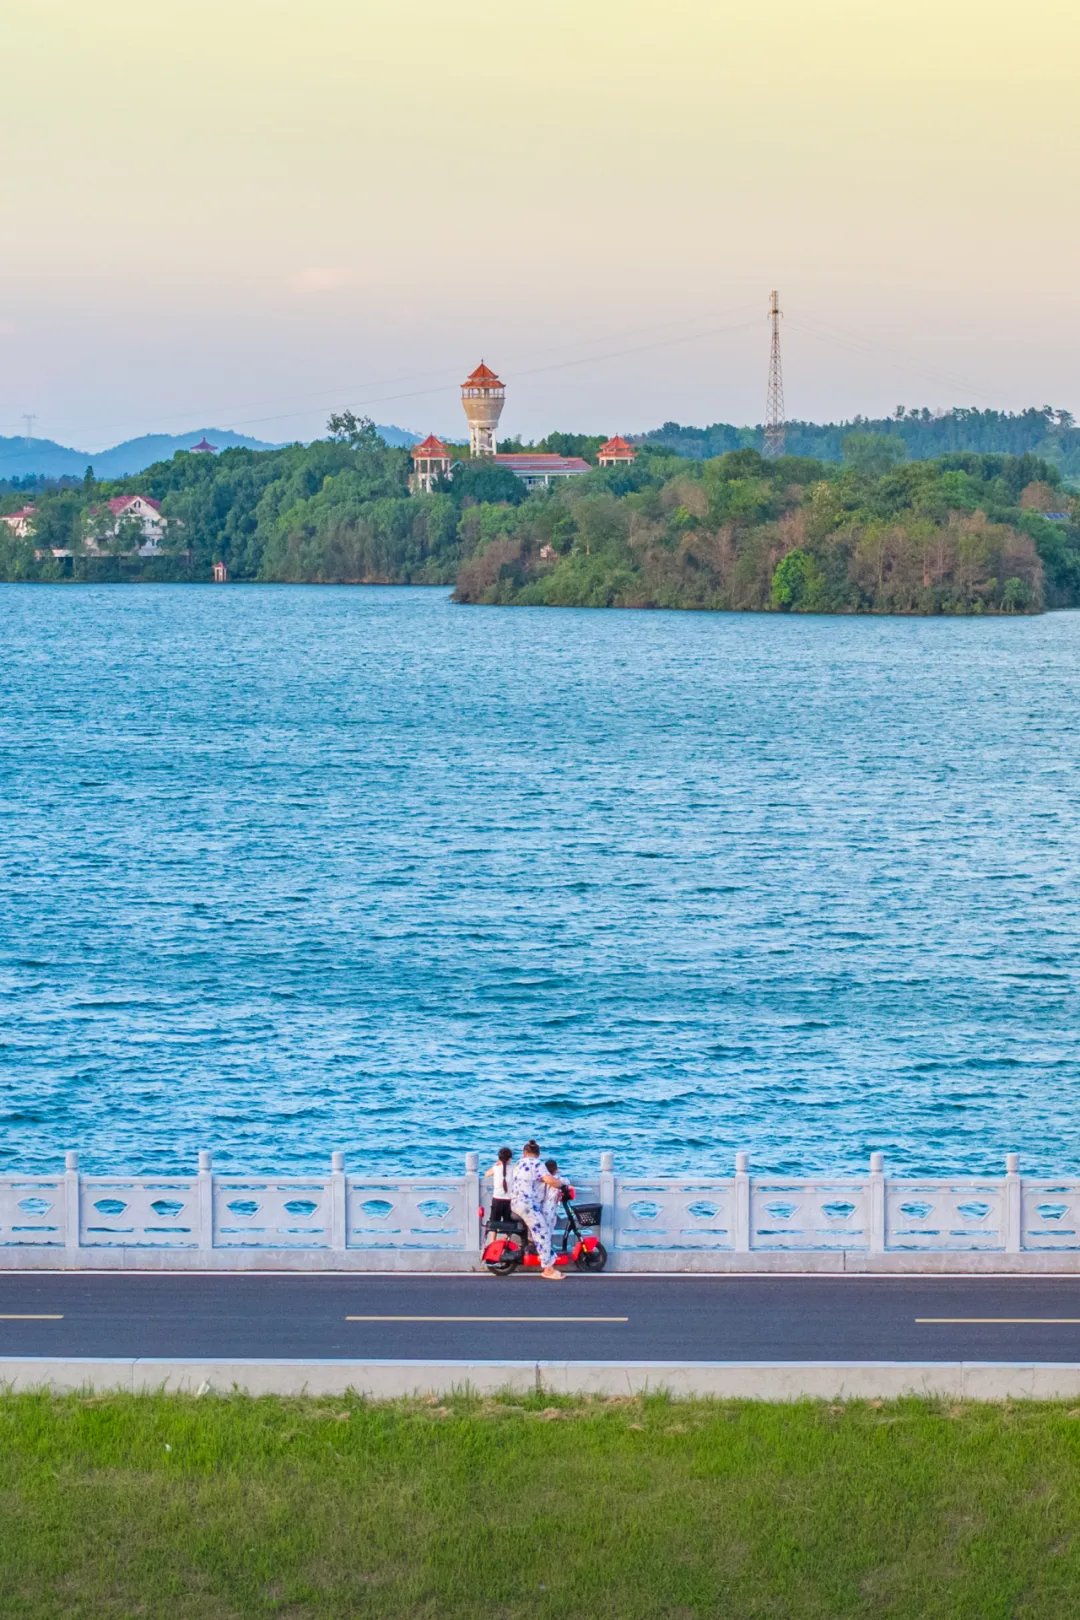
961,533
919,435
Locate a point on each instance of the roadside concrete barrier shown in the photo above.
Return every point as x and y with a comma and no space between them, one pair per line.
389,1380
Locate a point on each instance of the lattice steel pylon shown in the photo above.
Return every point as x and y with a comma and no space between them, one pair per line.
774,404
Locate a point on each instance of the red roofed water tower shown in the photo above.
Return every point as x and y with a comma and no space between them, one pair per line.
483,397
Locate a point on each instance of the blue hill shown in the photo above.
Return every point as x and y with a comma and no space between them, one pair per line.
44,458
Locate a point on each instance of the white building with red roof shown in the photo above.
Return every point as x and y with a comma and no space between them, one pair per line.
616,452
138,514
21,523
431,461
537,470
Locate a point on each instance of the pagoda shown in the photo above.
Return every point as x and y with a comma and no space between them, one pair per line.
431,461
616,452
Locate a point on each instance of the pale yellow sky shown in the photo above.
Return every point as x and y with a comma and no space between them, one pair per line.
248,212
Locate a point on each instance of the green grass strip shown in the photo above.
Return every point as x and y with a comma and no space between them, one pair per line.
121,1506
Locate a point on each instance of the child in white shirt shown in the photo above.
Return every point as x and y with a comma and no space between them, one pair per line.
499,1176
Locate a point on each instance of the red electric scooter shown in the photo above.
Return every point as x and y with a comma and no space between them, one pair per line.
507,1244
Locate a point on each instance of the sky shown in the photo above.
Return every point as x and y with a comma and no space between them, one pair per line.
248,213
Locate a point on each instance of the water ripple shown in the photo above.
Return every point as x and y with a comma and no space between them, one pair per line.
291,870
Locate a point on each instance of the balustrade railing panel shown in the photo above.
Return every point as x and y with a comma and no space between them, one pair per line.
1050,1215
788,1214
268,1212
32,1210
159,1212
944,1215
428,1214
674,1214
742,1214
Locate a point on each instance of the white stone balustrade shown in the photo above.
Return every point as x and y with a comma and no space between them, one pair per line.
422,1220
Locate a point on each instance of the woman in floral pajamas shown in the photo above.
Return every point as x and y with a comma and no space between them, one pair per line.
527,1201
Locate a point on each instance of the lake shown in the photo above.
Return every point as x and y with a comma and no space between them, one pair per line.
293,869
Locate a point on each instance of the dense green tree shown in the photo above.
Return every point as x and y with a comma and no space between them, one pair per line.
873,454
484,480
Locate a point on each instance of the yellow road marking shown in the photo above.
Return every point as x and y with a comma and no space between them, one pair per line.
10,1316
487,1319
1003,1321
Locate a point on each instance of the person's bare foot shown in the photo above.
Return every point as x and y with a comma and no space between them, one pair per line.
552,1275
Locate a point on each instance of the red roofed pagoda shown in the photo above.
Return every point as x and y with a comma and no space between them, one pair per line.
431,461
615,452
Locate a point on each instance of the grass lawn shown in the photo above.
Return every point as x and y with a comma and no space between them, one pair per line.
162,1506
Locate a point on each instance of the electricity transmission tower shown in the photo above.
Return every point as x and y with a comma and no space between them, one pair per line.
30,418
774,406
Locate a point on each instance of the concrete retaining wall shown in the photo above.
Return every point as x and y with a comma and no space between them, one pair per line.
385,1380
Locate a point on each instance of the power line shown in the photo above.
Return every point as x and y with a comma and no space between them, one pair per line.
302,402
823,333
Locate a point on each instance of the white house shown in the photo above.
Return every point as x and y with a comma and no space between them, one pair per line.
20,523
142,510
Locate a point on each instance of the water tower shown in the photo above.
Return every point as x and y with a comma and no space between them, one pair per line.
483,396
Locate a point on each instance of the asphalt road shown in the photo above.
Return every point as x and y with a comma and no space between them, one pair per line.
635,1318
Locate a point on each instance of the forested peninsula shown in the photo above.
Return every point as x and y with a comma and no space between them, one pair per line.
959,533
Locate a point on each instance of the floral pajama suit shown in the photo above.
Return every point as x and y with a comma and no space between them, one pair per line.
527,1200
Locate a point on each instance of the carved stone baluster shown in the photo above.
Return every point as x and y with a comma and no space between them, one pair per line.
876,1196
1013,1204
72,1203
338,1230
742,1203
206,1200
607,1200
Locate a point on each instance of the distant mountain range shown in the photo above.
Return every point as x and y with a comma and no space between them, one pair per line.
44,458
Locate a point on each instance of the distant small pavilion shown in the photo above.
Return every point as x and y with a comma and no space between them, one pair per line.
431,461
615,453
204,448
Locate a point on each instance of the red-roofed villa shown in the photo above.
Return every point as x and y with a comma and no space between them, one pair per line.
536,468
140,511
21,523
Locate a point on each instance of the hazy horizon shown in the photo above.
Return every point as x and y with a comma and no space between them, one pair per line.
227,214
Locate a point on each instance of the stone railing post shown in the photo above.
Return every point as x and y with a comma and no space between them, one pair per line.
206,1200
876,1194
472,1203
742,1203
1014,1205
338,1229
607,1200
72,1203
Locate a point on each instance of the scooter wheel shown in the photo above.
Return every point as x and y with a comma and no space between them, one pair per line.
503,1268
592,1259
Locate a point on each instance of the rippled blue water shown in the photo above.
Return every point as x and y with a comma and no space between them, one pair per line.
286,870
